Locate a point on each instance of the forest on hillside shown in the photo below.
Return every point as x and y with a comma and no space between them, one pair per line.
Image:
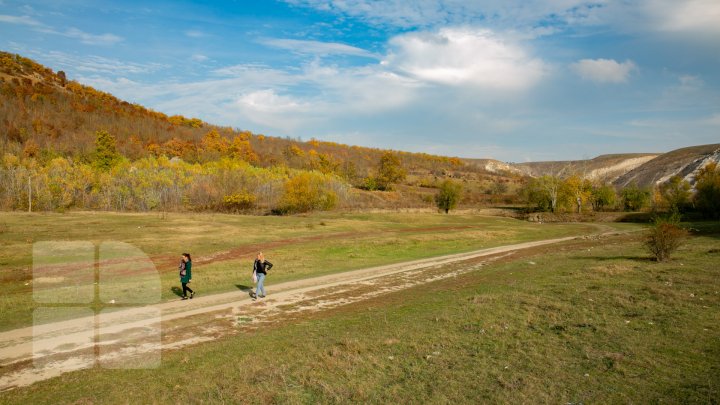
69,146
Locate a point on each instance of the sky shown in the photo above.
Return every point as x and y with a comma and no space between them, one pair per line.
510,80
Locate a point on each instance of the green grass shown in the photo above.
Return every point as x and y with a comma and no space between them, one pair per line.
588,322
299,246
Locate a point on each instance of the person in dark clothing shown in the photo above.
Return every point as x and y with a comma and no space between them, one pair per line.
260,268
186,275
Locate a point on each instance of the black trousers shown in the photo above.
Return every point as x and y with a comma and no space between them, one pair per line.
186,289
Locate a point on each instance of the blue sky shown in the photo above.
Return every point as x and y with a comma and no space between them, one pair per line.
511,80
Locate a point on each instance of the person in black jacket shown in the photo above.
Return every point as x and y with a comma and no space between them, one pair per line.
260,268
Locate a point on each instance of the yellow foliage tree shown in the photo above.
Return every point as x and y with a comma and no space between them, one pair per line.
241,149
307,191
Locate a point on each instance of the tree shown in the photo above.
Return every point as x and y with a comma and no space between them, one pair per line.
543,192
576,190
707,197
634,198
307,191
390,171
602,196
675,194
106,155
241,149
448,196
213,145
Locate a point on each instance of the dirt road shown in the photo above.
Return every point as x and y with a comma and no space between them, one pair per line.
136,337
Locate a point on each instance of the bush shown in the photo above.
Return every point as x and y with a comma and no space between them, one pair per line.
239,201
634,198
664,238
307,191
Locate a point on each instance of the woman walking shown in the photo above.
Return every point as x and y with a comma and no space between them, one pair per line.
186,275
260,268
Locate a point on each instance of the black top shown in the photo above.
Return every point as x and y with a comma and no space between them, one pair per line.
262,267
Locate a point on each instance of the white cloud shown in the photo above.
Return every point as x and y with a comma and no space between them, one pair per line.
533,17
97,65
429,13
92,39
694,16
199,58
604,70
269,101
21,20
84,37
316,47
464,56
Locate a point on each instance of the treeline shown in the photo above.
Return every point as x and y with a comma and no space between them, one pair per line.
165,184
576,194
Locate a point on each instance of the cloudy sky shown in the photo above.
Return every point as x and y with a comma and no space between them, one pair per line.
510,80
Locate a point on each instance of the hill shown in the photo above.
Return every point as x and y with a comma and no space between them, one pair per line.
175,162
604,168
683,162
46,117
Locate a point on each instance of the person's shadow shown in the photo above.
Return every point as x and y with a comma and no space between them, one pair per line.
177,291
245,288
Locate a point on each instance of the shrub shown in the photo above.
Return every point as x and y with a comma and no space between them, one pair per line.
664,238
307,191
239,201
634,198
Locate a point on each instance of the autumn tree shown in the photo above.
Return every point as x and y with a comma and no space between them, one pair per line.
544,192
213,145
576,190
707,196
240,148
448,196
390,171
675,194
307,191
602,196
106,155
634,198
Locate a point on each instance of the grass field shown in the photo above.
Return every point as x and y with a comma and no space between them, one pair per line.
585,322
223,246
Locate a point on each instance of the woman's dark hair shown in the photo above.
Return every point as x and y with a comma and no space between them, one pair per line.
188,256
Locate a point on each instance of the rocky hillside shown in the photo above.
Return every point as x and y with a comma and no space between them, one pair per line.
684,162
642,169
604,168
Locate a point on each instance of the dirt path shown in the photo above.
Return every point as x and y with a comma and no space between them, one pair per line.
135,337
